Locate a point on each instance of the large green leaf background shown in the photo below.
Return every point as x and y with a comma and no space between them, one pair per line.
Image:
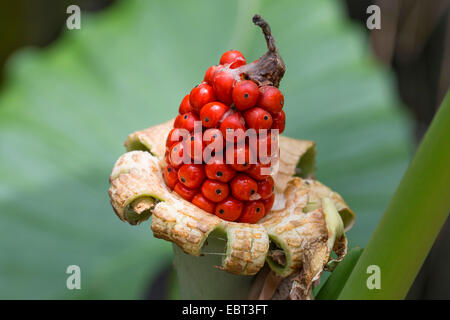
66,110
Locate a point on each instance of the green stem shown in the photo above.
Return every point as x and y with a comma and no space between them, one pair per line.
198,279
412,220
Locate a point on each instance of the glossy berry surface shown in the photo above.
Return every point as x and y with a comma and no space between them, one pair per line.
210,73
176,155
232,56
200,201
279,121
201,95
188,120
268,203
176,123
240,157
259,171
215,191
258,118
194,147
175,135
265,187
268,147
218,154
220,171
253,212
271,99
229,209
245,94
223,86
233,127
185,192
212,113
185,105
170,176
191,175
243,187
237,63
213,136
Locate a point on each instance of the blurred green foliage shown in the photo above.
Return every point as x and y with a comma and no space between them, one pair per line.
65,112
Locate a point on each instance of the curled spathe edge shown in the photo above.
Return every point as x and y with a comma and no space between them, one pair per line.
297,238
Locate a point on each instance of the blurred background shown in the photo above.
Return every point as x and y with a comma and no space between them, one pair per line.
68,99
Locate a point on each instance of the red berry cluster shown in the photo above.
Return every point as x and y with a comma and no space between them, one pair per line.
225,101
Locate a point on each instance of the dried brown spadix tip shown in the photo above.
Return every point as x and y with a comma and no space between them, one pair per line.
270,68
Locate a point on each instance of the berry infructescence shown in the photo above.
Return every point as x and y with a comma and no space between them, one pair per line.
233,97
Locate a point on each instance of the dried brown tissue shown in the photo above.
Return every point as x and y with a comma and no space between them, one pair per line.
303,226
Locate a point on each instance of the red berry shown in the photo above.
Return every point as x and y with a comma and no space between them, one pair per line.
243,187
188,121
194,148
175,135
271,99
166,156
265,187
200,201
185,105
210,73
223,86
212,113
253,212
191,175
229,209
268,147
237,63
279,121
232,56
268,203
245,94
241,159
201,95
177,122
176,155
213,141
234,125
215,191
256,171
227,106
211,136
217,170
185,192
258,118
170,176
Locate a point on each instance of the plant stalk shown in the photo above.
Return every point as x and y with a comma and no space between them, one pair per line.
198,279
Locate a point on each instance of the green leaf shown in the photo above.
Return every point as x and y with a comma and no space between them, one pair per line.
412,221
66,110
336,281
